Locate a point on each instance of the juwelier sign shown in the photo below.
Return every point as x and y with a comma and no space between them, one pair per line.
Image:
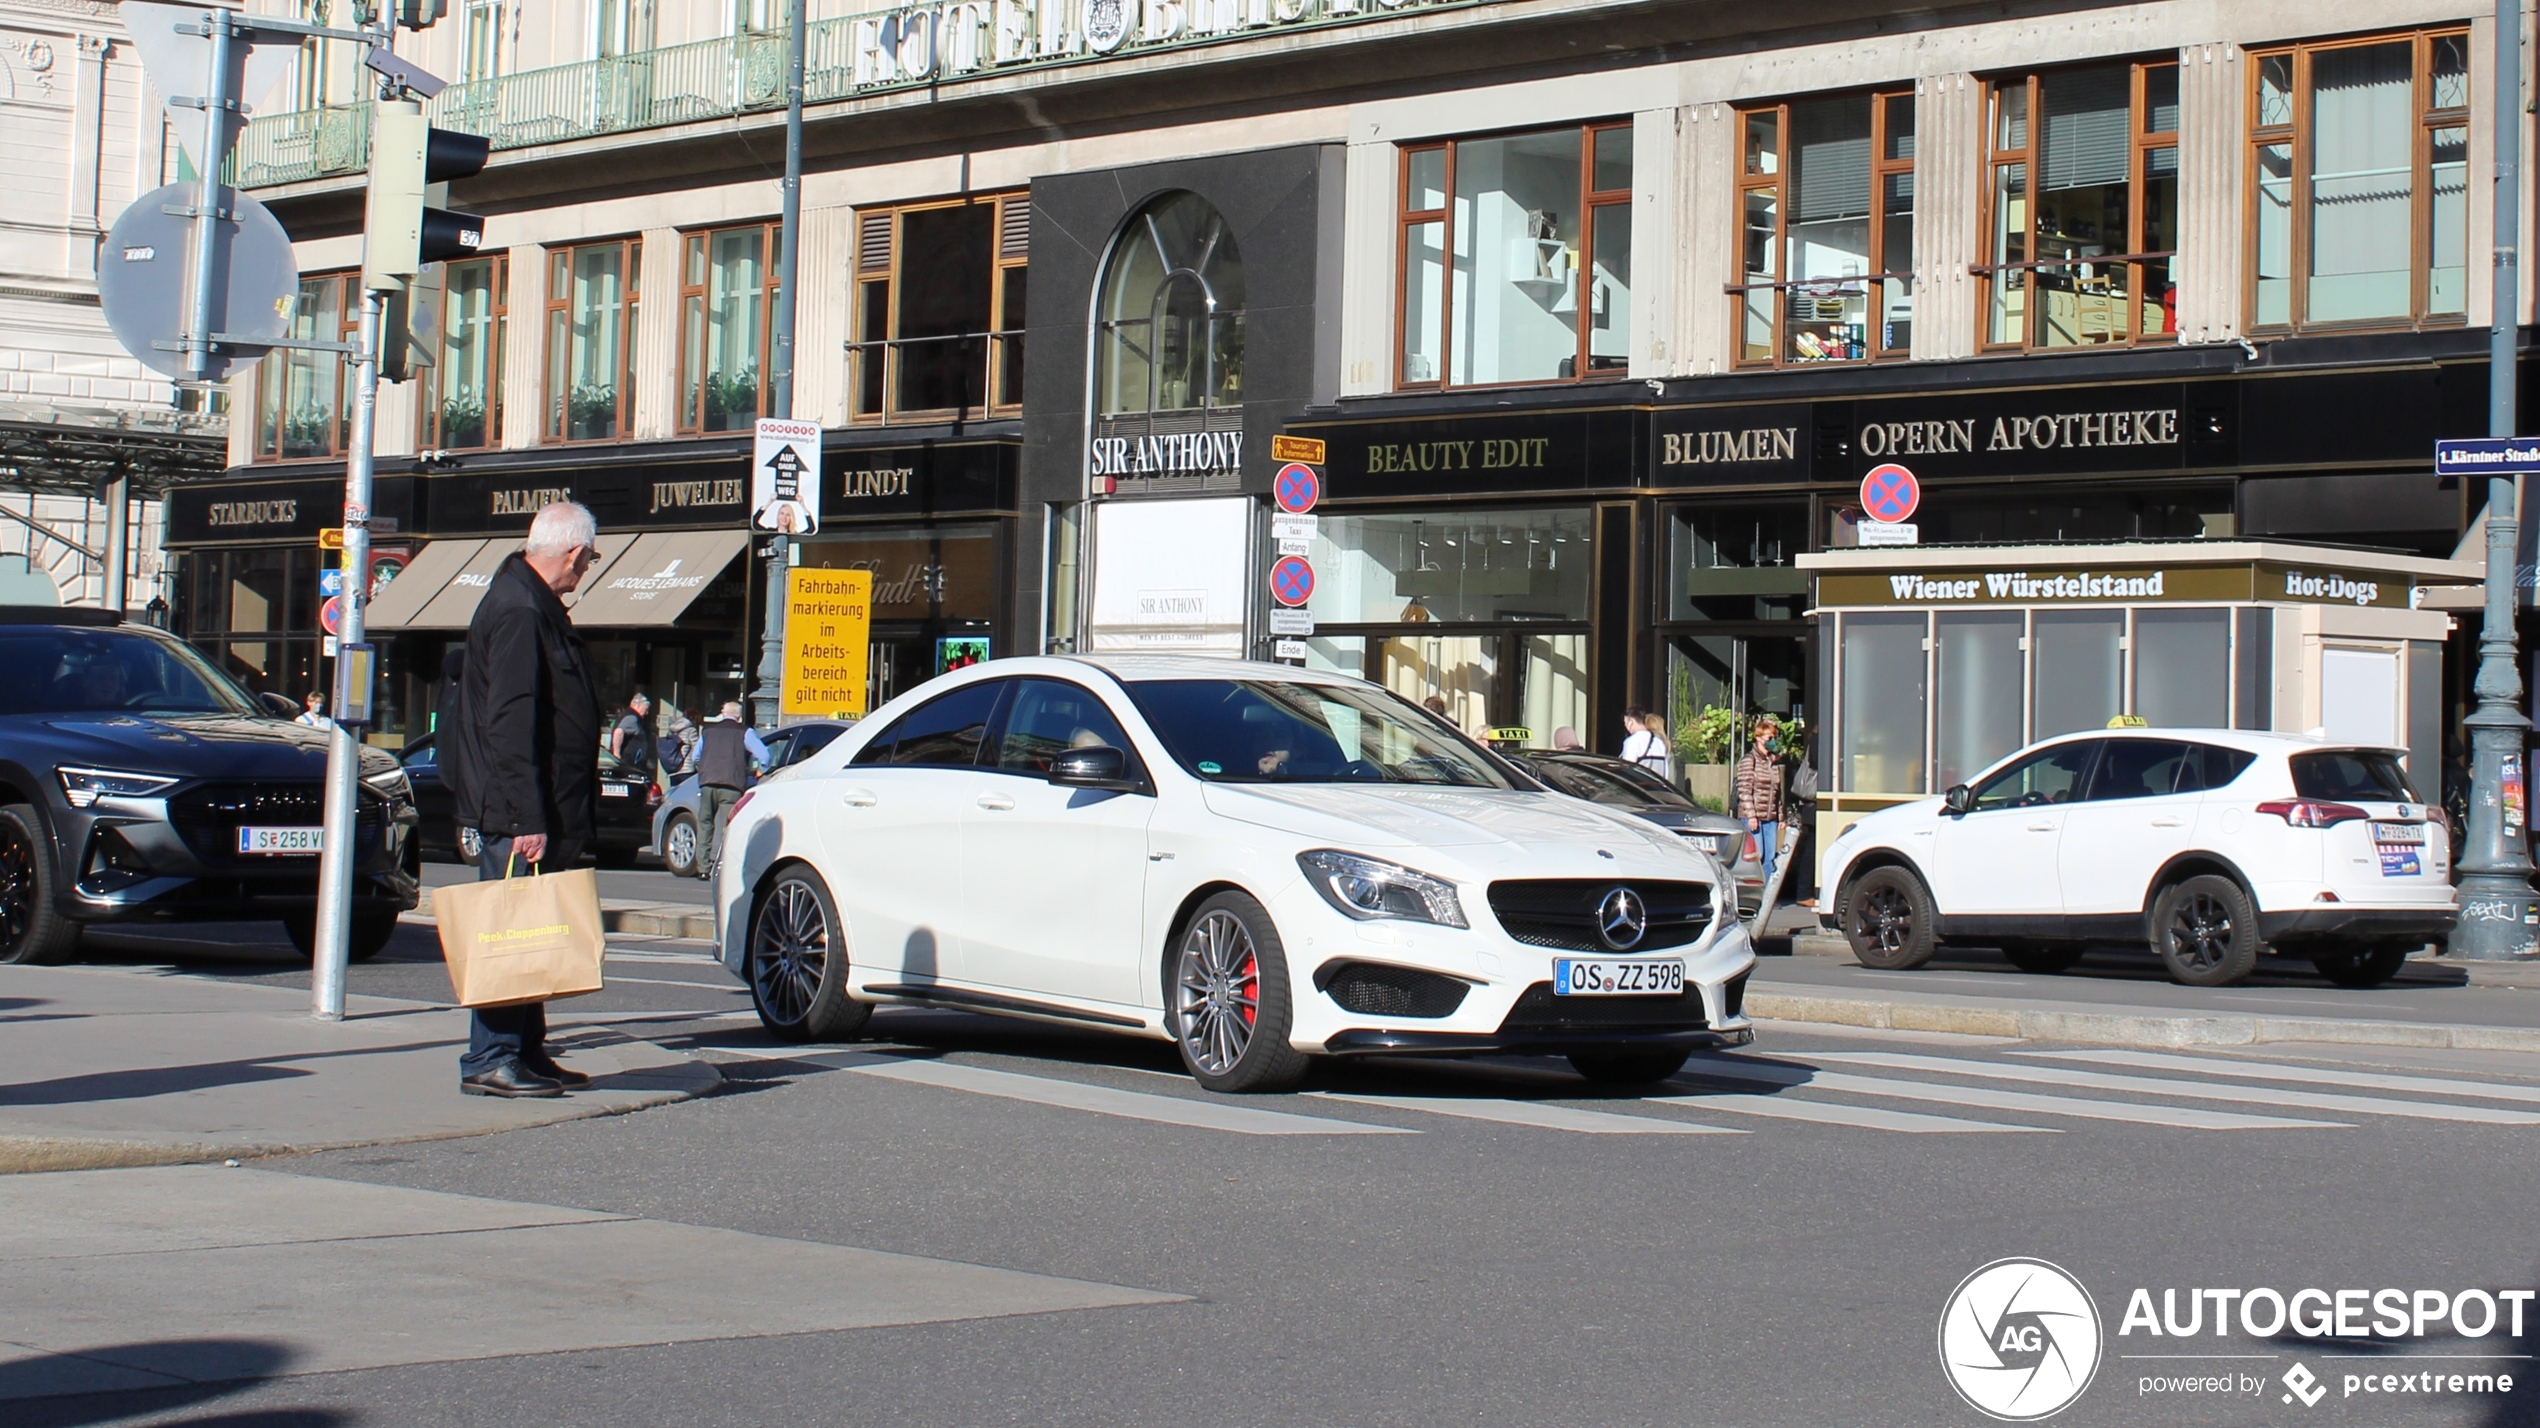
2206,584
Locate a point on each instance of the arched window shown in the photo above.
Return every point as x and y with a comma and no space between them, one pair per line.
1170,329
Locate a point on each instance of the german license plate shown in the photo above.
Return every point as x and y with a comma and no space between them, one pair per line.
281,840
617,790
2398,832
1634,977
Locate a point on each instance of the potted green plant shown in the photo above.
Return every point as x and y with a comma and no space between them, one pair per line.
1706,741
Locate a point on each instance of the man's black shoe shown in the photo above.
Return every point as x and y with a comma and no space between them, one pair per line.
510,1080
546,1066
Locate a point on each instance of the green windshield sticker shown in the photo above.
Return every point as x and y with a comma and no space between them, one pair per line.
1206,767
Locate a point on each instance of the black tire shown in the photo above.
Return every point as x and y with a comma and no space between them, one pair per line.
471,846
1627,1068
1889,919
32,931
1226,999
372,929
798,962
2043,961
2361,967
2205,930
679,846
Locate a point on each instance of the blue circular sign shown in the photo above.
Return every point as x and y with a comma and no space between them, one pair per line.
1292,580
1889,493
1297,489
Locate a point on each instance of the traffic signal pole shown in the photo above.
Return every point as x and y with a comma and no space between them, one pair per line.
2497,907
343,754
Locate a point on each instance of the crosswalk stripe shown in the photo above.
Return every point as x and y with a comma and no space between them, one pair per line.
2185,1117
1835,1113
1109,1101
2315,1075
1536,1114
2191,1090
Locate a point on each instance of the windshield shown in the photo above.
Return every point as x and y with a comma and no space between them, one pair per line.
1273,731
52,669
1613,787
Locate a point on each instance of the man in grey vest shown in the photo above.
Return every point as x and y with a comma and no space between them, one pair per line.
727,749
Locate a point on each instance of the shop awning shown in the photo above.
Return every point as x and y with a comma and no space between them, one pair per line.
654,580
426,576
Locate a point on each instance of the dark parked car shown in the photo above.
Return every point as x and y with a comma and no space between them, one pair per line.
1620,784
627,799
137,783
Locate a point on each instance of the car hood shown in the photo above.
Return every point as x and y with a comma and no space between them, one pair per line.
186,746
1417,816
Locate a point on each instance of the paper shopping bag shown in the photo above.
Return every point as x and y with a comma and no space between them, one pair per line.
521,940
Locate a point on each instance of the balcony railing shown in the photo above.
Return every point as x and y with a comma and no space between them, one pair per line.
862,53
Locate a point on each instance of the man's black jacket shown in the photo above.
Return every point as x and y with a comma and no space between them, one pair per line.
522,753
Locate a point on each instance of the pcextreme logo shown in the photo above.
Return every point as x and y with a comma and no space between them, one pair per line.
2019,1340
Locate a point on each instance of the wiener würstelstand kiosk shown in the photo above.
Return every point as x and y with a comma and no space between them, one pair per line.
1936,661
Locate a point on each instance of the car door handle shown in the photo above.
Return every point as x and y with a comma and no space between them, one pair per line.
2043,827
860,798
2169,822
997,801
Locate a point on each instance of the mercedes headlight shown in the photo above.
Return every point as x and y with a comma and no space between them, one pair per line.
1367,889
83,787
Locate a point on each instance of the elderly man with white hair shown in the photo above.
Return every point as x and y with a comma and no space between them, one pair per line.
522,754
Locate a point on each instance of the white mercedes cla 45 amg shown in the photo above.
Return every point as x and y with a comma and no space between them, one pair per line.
1258,863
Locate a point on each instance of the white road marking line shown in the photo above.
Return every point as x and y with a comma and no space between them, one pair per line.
2315,1075
1107,1101
1835,1113
2184,1117
1536,1114
2191,1090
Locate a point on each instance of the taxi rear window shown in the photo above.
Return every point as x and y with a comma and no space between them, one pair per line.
2352,776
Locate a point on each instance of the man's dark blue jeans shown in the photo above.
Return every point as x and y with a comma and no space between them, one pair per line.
500,1034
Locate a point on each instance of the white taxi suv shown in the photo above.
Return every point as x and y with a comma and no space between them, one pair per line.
1258,863
2212,845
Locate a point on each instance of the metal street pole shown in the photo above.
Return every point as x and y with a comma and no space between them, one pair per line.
771,658
2497,921
343,755
118,540
207,202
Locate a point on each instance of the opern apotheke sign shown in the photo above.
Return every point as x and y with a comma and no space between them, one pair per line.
2202,584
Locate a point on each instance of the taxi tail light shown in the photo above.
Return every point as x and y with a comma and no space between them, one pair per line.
2312,813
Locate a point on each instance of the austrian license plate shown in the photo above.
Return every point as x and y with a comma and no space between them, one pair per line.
2398,832
1635,977
1710,845
617,790
281,840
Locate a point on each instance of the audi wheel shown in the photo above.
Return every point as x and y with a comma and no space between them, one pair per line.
31,930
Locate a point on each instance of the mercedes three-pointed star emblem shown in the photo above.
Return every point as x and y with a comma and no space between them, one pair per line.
1622,919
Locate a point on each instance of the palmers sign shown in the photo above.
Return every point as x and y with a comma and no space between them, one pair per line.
2170,585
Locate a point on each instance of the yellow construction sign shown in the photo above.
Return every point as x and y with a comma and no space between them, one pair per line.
828,635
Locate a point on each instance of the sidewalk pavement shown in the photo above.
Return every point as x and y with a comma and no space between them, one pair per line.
112,1067
2480,1007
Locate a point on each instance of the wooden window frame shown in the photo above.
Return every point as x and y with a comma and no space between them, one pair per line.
877,358
2140,145
1882,168
1591,200
429,435
2297,135
553,423
348,326
696,254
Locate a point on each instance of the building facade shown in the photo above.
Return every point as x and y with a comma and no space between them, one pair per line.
1602,311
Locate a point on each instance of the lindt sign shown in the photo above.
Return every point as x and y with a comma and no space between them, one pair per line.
931,42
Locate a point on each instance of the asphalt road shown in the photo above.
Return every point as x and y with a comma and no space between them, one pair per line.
1769,1240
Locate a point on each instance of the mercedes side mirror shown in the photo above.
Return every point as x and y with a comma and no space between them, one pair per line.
1098,766
1959,798
278,705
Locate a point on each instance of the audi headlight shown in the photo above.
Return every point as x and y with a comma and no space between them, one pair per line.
83,787
391,784
1367,889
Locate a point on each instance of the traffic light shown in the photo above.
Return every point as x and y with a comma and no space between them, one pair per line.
421,14
401,235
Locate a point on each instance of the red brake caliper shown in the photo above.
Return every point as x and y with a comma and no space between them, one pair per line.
1252,978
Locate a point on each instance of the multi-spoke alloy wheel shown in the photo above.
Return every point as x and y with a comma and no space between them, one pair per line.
1888,919
798,963
2206,931
679,847
30,929
1228,996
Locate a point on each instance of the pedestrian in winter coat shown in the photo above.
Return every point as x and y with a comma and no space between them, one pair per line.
524,762
1757,793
